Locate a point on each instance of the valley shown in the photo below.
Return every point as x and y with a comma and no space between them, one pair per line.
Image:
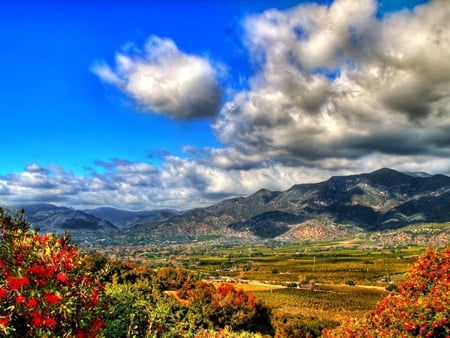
313,255
325,280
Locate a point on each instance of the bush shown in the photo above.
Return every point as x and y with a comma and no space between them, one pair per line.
300,327
238,309
421,307
392,287
44,290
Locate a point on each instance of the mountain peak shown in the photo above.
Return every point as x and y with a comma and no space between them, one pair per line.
390,177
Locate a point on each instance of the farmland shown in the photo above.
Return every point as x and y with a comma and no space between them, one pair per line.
326,280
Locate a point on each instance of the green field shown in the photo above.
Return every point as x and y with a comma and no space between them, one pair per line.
326,263
326,280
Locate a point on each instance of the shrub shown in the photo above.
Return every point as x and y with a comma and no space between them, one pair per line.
421,307
299,327
238,310
44,290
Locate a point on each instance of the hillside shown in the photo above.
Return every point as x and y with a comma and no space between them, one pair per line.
51,218
340,207
382,200
126,218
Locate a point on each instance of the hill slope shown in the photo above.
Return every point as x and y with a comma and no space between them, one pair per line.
125,218
51,218
381,200
343,205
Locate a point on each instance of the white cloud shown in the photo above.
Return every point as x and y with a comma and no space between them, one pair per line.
183,183
377,86
165,80
337,91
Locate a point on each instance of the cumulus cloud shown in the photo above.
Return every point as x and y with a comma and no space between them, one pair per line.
335,82
165,80
337,90
182,183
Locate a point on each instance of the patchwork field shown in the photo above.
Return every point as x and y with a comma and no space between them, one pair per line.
327,280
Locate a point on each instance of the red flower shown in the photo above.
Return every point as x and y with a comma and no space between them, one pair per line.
97,325
20,299
32,302
52,298
3,293
19,258
62,277
40,271
17,283
94,298
4,321
80,333
49,323
36,318
40,282
42,238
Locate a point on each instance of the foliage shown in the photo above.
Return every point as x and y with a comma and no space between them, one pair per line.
132,313
226,333
47,288
420,308
300,326
44,290
173,303
238,309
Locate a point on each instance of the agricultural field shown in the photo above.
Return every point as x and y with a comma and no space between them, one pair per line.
325,301
324,263
326,280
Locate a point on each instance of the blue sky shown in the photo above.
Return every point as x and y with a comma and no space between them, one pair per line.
144,105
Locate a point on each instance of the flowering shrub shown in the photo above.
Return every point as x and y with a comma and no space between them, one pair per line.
420,308
44,290
237,309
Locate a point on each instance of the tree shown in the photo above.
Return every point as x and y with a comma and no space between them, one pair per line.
421,307
238,310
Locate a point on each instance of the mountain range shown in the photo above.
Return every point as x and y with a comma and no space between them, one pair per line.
52,218
379,201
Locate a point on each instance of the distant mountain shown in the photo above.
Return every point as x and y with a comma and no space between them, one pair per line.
51,218
125,218
382,200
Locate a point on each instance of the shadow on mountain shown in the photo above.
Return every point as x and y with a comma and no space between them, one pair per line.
269,224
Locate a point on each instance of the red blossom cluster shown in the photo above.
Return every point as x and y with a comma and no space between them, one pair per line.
44,290
421,308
